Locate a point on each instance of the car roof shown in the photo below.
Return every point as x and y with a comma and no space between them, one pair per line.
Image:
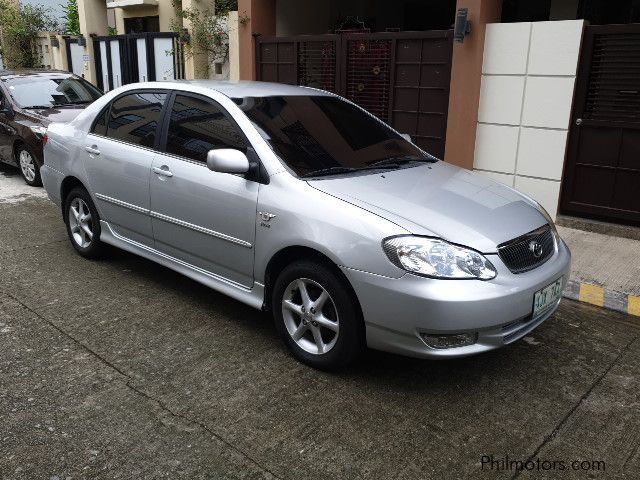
245,88
32,72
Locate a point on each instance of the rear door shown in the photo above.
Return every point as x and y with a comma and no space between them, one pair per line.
119,152
204,218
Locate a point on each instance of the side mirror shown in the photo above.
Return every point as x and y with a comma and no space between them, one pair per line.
406,136
227,160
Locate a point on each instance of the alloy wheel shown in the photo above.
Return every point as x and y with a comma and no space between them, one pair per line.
310,316
80,222
27,165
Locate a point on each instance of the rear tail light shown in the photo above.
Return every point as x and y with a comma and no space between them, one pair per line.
45,139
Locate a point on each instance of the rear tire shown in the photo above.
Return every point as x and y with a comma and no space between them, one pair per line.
28,166
318,316
83,223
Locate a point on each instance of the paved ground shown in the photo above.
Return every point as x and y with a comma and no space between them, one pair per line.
608,261
123,369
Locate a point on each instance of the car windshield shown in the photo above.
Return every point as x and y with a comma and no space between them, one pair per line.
326,135
39,91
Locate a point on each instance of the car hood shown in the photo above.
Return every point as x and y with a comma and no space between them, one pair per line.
441,200
50,115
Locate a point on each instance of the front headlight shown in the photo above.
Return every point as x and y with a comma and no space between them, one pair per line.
436,258
39,130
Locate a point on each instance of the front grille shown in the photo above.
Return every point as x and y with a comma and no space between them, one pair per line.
518,254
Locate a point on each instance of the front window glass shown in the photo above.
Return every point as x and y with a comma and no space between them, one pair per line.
198,125
320,133
134,118
46,91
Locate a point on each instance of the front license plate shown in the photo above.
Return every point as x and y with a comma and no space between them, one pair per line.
546,297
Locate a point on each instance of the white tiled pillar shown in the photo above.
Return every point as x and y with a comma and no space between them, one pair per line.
525,104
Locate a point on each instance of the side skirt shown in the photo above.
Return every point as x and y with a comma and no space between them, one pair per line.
254,297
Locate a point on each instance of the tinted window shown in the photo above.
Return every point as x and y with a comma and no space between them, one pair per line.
311,133
134,118
46,90
100,125
198,125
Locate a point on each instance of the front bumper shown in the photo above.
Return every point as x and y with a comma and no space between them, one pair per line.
397,311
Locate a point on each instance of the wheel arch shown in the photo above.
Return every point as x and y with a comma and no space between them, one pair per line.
17,143
68,184
286,256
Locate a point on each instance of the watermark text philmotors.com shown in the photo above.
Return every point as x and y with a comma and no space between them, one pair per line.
506,463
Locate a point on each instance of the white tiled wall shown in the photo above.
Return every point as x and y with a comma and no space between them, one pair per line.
501,99
528,77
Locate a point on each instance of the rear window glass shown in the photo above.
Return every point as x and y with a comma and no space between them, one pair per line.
100,125
135,117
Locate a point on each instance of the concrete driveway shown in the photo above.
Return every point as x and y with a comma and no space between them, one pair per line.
123,369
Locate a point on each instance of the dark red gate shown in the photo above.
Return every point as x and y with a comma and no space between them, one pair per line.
401,77
602,171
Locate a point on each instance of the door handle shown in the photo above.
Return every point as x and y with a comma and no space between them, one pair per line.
163,170
92,150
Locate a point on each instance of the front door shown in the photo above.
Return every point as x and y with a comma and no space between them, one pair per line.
119,153
602,172
7,131
204,218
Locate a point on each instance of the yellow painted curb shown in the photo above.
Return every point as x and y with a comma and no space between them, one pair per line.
592,294
634,305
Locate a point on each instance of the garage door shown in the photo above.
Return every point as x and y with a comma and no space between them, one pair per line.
401,77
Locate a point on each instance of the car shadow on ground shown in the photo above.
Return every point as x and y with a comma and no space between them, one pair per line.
8,170
375,367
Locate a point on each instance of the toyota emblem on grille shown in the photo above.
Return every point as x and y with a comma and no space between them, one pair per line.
536,248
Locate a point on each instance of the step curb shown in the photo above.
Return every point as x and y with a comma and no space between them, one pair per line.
602,297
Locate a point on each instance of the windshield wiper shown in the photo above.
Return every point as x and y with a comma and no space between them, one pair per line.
73,104
397,161
329,171
392,162
38,107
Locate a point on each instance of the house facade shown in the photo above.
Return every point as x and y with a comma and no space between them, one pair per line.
542,96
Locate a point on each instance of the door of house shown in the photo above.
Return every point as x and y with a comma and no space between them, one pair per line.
602,171
137,57
401,77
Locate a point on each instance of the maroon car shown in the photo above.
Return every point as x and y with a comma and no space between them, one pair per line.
29,101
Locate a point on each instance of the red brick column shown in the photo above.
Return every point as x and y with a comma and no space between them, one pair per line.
261,16
466,74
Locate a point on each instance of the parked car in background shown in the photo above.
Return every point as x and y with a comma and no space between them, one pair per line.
29,101
299,202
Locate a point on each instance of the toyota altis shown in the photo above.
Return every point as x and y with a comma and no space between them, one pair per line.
300,203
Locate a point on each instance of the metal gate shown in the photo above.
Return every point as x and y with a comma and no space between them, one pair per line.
401,77
602,171
137,57
75,56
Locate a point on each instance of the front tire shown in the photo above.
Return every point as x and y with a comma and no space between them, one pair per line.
28,167
83,223
318,316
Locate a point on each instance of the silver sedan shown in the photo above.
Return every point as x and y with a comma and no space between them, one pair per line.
298,202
